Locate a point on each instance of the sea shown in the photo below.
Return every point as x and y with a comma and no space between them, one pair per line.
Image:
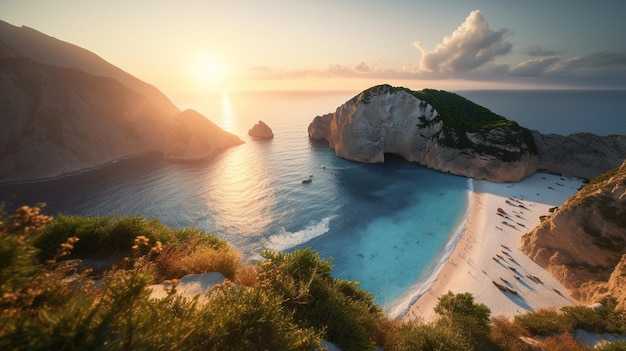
388,226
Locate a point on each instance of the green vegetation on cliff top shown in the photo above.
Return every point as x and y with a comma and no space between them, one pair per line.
461,116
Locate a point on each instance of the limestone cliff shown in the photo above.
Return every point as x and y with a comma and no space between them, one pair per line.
449,133
582,155
384,119
583,244
58,120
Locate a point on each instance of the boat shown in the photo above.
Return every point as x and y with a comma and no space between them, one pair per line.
307,180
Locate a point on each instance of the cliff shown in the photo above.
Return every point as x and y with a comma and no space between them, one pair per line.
583,244
58,120
384,119
449,133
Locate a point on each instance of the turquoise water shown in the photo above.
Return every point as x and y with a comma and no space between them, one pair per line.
387,226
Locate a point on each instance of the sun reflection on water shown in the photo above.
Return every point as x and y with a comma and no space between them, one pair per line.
242,191
228,120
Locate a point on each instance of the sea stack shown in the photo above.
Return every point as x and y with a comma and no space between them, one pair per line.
261,130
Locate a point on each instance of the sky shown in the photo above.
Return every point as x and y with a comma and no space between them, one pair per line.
189,47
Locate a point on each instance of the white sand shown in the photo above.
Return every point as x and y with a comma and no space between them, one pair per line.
471,267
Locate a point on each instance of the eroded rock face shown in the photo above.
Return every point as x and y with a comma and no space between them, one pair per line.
59,120
384,120
583,244
388,120
582,155
261,130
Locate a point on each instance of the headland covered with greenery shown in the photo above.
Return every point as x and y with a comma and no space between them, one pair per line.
82,283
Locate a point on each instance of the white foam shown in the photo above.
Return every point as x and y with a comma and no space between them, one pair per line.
285,239
400,307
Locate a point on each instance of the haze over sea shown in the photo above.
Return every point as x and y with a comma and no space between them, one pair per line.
387,226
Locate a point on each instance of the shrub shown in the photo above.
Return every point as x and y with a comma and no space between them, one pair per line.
205,259
612,346
597,320
346,314
431,336
563,342
459,311
544,322
249,319
505,335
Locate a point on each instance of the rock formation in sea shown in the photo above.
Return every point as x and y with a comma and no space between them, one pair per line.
76,111
261,130
446,132
583,243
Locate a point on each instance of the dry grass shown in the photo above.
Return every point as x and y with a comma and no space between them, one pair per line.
506,334
205,259
564,342
247,276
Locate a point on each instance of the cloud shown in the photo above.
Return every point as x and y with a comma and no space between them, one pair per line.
536,50
596,64
469,47
534,67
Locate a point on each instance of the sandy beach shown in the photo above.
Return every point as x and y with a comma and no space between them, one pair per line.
488,249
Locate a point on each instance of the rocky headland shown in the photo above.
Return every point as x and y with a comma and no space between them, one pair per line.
72,111
583,243
261,131
446,132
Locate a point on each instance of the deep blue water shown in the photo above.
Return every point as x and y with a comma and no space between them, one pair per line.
386,226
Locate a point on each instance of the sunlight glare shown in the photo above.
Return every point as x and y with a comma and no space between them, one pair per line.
208,72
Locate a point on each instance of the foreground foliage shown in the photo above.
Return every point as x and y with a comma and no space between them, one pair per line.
50,298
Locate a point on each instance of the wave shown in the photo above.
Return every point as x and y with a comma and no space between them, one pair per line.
286,240
400,307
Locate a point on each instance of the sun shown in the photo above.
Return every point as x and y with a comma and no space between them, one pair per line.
210,70
208,73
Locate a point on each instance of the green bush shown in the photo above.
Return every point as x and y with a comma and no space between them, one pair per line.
107,237
545,322
430,337
597,320
347,315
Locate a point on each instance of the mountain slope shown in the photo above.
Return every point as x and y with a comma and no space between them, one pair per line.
45,49
58,120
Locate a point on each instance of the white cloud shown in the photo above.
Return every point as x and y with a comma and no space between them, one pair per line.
470,46
534,67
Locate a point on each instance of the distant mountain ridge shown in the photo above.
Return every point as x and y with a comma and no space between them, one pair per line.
61,117
446,132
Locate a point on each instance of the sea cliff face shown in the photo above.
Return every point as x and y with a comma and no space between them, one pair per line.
449,133
385,120
58,120
583,244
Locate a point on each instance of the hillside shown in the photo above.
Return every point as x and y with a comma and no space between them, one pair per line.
446,132
62,119
48,50
583,244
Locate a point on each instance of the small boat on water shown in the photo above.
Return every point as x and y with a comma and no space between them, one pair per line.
307,179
